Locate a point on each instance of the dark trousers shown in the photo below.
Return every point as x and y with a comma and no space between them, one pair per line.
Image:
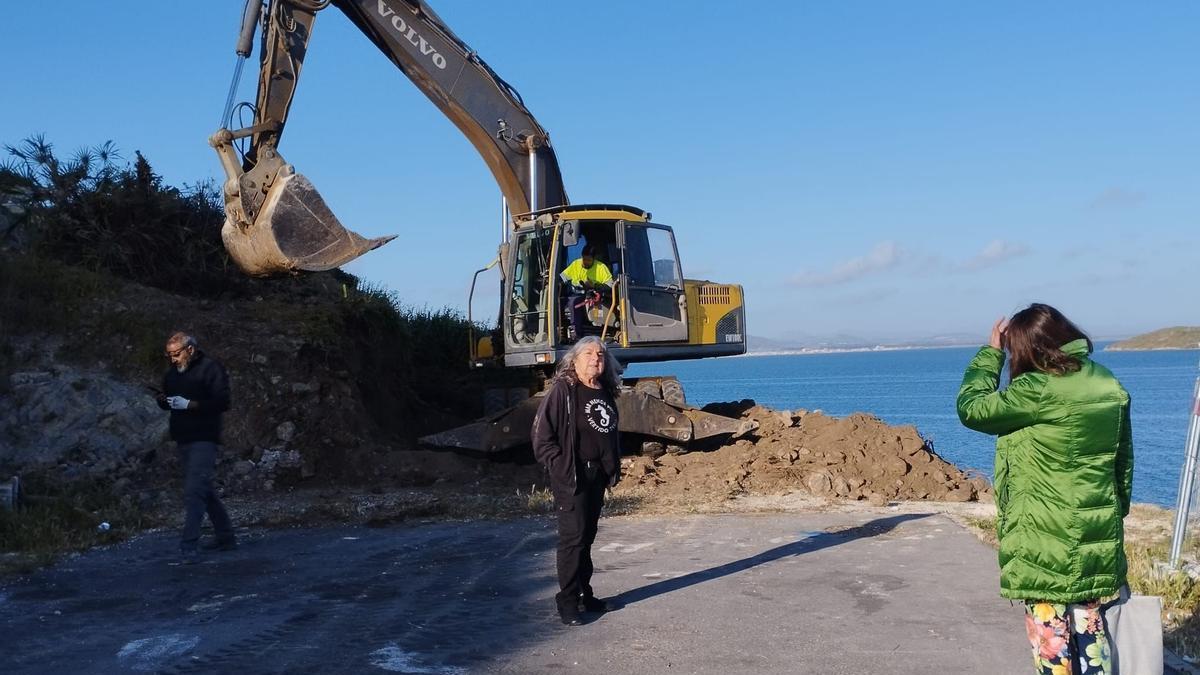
200,463
577,311
578,520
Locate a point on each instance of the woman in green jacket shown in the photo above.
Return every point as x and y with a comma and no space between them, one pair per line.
1064,471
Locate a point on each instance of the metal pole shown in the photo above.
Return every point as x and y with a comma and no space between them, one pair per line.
1187,478
503,219
233,86
533,173
245,43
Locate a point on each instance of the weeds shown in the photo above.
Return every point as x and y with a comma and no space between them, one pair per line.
985,529
44,295
63,519
537,500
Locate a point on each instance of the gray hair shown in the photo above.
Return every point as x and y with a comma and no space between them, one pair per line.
182,339
610,379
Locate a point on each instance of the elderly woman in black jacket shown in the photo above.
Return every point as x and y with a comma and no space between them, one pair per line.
575,436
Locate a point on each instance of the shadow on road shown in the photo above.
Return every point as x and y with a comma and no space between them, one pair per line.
807,545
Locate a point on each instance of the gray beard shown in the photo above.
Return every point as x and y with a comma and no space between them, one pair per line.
181,367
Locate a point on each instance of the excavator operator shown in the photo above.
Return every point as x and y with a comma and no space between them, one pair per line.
584,277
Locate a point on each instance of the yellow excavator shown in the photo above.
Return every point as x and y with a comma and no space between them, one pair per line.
276,223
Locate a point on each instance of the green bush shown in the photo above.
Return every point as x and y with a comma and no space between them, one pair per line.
420,354
89,211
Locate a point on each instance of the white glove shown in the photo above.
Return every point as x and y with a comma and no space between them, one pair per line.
177,402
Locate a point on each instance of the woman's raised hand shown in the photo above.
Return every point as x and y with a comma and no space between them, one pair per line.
997,339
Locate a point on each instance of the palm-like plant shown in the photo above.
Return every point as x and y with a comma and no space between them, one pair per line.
91,210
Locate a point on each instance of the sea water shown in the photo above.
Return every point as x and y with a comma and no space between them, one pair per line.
919,386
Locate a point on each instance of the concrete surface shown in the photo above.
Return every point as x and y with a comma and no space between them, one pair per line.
778,593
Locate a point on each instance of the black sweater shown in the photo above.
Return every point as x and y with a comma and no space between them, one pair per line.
207,385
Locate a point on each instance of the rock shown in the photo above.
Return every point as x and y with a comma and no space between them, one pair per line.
894,466
819,483
243,468
28,378
962,493
876,499
259,359
285,431
841,488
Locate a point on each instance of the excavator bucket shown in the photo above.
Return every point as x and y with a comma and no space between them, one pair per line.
294,232
639,410
653,417
502,431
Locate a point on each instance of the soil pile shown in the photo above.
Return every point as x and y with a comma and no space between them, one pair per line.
857,457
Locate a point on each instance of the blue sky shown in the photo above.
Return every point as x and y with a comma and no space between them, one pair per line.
887,170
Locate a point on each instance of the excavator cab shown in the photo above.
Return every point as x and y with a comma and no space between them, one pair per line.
651,313
646,303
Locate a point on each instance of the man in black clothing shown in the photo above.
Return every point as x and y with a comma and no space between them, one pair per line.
196,391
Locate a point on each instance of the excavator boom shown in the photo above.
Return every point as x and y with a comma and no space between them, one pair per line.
276,221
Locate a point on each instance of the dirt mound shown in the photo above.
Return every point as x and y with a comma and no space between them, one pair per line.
856,457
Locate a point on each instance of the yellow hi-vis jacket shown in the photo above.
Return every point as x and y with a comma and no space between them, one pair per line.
598,273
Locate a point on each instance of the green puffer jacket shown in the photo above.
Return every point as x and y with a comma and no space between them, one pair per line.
1064,471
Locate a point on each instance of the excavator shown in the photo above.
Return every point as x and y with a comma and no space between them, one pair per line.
278,224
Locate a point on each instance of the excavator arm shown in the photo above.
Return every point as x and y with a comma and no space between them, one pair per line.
276,221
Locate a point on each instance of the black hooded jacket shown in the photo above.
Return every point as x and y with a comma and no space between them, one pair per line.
206,383
555,442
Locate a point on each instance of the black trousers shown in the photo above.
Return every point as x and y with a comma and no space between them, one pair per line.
578,520
200,463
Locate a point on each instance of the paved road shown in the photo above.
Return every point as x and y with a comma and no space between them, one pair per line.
779,593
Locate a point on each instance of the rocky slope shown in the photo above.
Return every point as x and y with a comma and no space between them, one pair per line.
316,404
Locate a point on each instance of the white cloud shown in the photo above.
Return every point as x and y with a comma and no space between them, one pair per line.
885,256
997,251
869,296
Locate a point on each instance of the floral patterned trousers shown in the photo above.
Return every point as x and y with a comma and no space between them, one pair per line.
1067,639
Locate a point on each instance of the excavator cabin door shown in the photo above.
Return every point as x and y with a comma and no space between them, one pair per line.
652,283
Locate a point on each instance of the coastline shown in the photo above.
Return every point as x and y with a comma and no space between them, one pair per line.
806,351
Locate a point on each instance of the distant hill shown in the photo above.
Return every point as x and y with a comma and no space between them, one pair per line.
1178,337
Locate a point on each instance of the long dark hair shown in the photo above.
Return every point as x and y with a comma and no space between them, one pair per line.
1034,336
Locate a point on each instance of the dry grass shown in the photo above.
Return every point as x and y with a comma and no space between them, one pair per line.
58,521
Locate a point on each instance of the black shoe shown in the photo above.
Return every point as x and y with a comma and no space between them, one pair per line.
219,545
570,619
596,605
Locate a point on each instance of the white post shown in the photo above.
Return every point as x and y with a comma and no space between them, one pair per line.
503,219
533,178
1187,478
